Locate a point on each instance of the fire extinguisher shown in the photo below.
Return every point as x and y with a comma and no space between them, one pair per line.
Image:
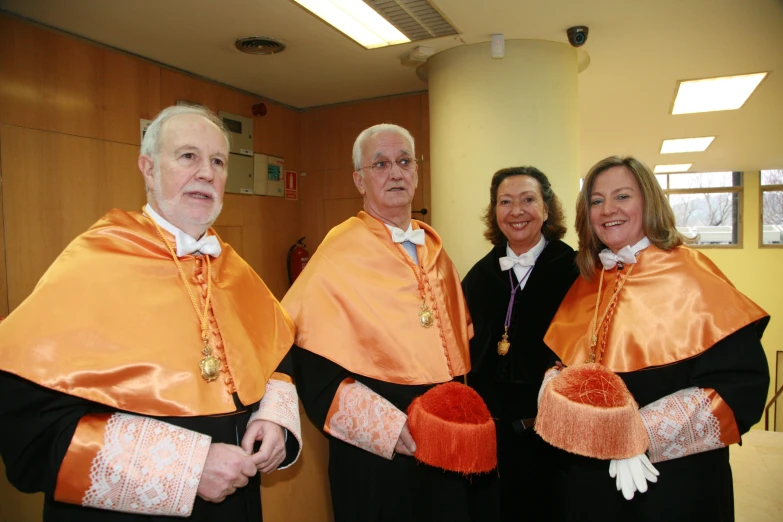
298,256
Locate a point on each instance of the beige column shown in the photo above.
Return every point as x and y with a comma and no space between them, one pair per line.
487,114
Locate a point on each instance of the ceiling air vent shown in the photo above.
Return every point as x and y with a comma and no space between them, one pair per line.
259,45
416,19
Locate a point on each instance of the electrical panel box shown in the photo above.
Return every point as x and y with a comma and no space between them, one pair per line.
269,175
240,174
241,130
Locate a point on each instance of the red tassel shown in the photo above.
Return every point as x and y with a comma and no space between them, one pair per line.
453,429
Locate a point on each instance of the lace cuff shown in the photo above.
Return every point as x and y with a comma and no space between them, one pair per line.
550,374
361,417
689,421
280,405
132,464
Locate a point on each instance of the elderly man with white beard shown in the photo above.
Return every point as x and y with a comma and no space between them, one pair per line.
146,376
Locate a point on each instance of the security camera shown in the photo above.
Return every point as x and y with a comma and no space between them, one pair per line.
577,36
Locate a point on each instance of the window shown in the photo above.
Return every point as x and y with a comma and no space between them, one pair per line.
707,206
771,204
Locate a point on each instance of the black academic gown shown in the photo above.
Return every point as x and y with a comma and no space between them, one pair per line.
695,487
38,425
509,384
369,488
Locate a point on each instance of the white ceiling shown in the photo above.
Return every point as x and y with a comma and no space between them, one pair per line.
638,50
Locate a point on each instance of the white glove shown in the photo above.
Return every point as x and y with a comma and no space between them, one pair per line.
548,376
633,474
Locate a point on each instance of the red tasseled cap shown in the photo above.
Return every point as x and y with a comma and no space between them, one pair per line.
588,410
453,429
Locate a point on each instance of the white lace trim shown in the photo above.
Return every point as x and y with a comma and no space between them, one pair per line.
681,424
366,420
280,405
548,376
146,466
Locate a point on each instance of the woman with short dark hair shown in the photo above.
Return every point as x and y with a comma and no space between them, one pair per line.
512,294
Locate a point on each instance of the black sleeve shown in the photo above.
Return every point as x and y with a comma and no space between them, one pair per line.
737,369
286,366
37,427
317,380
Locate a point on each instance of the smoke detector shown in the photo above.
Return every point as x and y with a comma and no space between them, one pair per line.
259,45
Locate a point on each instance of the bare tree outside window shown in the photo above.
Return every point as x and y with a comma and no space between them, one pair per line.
706,205
772,207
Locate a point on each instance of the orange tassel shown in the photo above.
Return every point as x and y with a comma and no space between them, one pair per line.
588,410
453,429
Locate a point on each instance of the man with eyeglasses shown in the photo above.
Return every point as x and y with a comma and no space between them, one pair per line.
381,319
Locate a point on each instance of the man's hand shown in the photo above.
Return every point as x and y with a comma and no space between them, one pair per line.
272,451
226,469
405,444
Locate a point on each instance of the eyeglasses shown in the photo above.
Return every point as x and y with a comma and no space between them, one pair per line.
383,166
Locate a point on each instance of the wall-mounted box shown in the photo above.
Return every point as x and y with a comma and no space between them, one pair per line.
240,174
269,175
241,130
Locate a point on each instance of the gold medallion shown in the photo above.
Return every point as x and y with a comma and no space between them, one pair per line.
504,345
209,365
425,316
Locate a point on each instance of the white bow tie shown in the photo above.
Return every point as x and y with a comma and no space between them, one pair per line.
207,245
414,236
609,259
508,262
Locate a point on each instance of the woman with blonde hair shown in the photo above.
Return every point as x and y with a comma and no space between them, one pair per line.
684,341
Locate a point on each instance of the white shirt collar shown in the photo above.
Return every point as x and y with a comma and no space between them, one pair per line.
185,243
392,227
535,251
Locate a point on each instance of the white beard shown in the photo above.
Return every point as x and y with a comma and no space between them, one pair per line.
168,208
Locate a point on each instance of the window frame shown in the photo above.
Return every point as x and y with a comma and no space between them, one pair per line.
762,190
738,189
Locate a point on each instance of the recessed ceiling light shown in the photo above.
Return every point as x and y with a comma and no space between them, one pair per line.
664,169
686,145
715,94
356,20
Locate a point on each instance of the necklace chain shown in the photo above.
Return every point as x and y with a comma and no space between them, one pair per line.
422,279
595,323
209,365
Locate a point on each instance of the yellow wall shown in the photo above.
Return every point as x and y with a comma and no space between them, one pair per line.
756,272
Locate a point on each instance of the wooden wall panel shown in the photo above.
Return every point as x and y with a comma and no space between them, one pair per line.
16,506
279,133
54,187
62,84
175,86
231,235
311,201
3,277
301,493
338,210
269,227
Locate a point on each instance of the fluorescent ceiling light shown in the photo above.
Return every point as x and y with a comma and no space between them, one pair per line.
357,20
664,169
686,145
715,94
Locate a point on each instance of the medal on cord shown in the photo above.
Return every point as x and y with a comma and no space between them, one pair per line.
504,345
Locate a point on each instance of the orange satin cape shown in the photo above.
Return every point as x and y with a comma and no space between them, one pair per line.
357,304
111,322
675,305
